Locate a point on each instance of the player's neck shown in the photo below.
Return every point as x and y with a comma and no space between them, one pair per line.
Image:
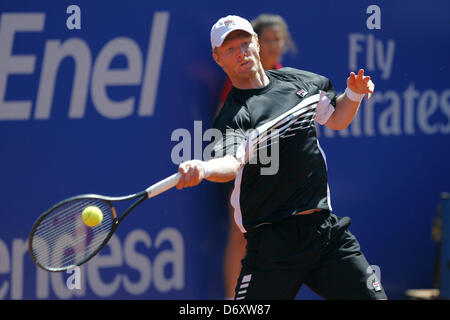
269,65
255,80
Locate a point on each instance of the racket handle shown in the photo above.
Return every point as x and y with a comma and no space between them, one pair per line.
163,185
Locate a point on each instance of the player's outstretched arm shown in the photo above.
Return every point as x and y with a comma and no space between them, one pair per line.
216,170
348,103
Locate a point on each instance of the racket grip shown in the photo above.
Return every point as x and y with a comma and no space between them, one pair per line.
163,185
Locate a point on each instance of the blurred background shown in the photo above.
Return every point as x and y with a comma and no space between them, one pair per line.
91,95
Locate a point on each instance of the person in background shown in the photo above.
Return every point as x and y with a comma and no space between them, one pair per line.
275,40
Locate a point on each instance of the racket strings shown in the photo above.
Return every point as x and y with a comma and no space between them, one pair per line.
65,213
58,217
69,240
62,239
60,222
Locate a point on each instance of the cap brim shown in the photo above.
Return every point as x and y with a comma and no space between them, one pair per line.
225,35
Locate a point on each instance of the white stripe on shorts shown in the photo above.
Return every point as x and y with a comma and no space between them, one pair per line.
244,284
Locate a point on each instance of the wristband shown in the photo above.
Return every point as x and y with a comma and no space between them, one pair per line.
206,167
356,97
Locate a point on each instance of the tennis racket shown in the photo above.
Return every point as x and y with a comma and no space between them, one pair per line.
60,240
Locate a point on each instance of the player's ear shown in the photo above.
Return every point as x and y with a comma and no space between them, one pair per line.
216,57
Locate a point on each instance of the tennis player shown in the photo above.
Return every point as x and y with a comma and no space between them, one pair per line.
293,238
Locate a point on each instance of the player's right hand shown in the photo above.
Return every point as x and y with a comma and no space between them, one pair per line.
192,174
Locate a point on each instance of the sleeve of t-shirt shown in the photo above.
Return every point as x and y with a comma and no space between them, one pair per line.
232,123
327,100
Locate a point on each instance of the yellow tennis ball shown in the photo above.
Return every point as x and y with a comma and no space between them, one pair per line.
92,216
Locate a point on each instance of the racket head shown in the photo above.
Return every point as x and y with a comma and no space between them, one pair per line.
60,240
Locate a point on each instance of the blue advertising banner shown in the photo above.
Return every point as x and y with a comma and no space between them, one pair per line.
98,96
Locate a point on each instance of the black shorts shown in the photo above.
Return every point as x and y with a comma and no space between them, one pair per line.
317,250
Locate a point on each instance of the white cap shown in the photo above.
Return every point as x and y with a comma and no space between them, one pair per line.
225,25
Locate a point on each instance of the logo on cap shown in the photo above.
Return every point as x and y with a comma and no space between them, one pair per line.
228,22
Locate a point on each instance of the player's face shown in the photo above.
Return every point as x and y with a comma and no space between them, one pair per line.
272,41
239,54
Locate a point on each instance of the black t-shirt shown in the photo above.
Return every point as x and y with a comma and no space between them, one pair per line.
271,131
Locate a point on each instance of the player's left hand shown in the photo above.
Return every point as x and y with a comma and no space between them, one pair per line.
361,84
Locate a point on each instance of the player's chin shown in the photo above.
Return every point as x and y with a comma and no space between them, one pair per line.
247,73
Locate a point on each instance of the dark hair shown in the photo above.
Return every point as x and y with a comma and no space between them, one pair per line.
267,20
